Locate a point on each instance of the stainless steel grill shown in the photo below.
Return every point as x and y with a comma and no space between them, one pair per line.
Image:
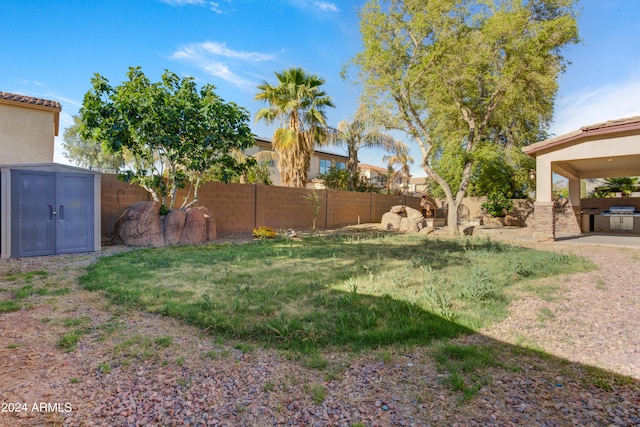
621,217
621,211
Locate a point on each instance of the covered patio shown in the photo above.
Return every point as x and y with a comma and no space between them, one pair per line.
603,150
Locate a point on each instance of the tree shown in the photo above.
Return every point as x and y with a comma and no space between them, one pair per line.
298,104
360,133
403,159
504,172
624,185
455,75
342,179
173,133
258,170
87,153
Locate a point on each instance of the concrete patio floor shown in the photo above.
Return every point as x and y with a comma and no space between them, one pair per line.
627,240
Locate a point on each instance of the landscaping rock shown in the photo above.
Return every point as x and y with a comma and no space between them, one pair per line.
512,220
195,228
212,233
493,222
391,221
404,219
139,226
174,226
427,230
397,209
407,225
413,214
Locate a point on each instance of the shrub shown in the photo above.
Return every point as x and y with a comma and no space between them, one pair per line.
264,232
497,205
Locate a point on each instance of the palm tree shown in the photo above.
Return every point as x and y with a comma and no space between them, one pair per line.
402,158
623,185
298,104
262,158
357,134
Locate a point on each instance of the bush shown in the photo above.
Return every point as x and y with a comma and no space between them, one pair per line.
264,232
497,205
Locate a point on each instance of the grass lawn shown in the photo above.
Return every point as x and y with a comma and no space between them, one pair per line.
356,292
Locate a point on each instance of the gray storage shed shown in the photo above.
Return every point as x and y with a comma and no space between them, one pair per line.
48,209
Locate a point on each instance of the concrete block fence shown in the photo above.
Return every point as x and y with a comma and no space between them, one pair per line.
242,207
239,208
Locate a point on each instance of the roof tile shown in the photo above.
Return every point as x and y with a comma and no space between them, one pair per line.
29,100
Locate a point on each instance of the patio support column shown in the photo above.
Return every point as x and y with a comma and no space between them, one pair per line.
574,202
545,228
545,225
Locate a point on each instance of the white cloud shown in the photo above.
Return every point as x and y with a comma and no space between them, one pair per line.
221,49
215,7
595,105
327,7
207,56
322,6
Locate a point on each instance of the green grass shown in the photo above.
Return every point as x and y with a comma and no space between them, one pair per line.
9,306
348,291
466,367
69,341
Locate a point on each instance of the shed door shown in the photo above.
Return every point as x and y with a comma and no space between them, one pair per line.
74,202
51,213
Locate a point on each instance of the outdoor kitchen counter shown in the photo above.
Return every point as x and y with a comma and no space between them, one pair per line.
603,223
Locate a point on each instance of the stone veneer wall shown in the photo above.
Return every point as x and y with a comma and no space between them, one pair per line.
544,228
567,217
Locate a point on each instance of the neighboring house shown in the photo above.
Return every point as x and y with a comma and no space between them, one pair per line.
375,174
321,162
45,208
27,128
418,185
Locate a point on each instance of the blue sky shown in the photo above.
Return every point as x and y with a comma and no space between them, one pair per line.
50,49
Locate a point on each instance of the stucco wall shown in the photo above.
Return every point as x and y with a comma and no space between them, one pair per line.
26,135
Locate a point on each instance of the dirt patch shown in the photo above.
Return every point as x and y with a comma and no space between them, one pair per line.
132,368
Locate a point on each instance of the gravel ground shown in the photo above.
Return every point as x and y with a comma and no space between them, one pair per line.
121,375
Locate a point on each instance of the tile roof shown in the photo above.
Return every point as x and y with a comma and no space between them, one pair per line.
366,166
29,100
604,128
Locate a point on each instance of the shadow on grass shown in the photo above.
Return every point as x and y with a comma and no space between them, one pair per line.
307,294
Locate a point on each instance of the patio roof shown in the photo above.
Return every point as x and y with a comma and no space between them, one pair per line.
601,150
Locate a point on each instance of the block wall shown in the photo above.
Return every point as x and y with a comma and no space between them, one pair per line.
239,208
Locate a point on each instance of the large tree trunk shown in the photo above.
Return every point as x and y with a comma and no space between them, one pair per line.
452,217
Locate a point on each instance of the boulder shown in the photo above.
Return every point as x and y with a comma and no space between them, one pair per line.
407,225
427,230
391,221
212,232
413,214
512,220
139,226
195,228
174,226
490,221
397,209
